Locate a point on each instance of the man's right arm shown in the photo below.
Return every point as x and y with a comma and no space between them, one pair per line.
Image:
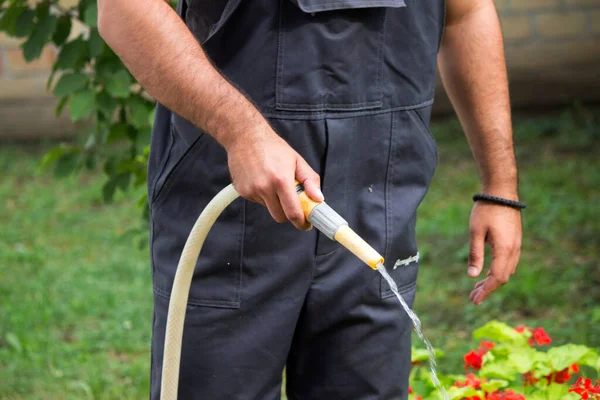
168,62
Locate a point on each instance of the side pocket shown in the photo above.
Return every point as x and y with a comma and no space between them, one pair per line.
404,272
198,175
178,159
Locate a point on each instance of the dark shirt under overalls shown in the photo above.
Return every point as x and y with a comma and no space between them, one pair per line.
349,85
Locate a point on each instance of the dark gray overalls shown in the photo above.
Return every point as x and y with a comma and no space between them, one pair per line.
349,84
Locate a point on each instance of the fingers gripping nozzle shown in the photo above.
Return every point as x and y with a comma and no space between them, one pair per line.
331,224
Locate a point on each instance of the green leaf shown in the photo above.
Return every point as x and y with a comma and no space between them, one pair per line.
42,10
122,180
108,190
69,83
14,342
66,163
118,84
63,30
494,384
422,355
502,369
499,332
95,44
553,392
70,54
42,32
457,393
562,357
90,161
61,105
51,156
90,15
82,104
25,23
106,104
523,360
138,110
117,131
8,22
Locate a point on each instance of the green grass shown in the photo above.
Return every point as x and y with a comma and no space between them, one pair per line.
75,296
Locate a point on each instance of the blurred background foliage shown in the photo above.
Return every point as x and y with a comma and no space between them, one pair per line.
91,80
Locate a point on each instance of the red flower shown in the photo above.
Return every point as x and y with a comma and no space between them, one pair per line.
539,334
410,390
505,395
473,359
560,377
541,337
521,328
529,379
472,381
585,389
486,346
574,368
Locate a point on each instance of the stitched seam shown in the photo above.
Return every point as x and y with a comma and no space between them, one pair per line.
356,4
379,78
322,114
341,105
387,199
280,55
192,301
238,295
154,194
174,173
431,138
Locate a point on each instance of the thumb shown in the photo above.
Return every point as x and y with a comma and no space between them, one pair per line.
309,179
476,252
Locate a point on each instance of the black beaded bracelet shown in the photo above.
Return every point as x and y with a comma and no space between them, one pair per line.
499,200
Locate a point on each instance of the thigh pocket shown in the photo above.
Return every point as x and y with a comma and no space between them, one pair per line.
330,61
198,176
411,165
404,273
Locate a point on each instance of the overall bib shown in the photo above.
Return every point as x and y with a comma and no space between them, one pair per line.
349,85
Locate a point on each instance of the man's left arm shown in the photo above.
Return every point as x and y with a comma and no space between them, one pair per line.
473,70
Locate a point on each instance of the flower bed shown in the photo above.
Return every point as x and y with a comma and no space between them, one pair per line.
514,364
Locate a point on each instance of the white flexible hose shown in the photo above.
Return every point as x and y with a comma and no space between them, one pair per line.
181,290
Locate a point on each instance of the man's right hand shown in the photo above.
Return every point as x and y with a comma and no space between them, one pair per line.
264,169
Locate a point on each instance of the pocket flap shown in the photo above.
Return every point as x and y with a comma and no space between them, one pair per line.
328,5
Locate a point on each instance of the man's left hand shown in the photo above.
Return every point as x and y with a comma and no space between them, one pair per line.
500,228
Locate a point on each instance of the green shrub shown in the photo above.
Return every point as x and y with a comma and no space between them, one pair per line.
88,77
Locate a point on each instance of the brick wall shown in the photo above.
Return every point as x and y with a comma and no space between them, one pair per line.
26,108
552,48
552,51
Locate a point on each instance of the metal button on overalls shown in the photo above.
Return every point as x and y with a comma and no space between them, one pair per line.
349,84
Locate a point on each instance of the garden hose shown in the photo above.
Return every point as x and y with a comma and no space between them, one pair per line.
320,215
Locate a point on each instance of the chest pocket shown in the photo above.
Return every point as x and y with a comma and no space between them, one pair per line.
330,54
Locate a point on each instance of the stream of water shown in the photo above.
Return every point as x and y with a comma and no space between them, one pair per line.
417,325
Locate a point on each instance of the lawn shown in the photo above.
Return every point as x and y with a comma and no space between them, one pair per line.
75,293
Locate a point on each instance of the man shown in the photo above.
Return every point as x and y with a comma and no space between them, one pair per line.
336,95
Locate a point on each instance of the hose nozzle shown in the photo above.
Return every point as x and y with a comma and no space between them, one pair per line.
331,224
